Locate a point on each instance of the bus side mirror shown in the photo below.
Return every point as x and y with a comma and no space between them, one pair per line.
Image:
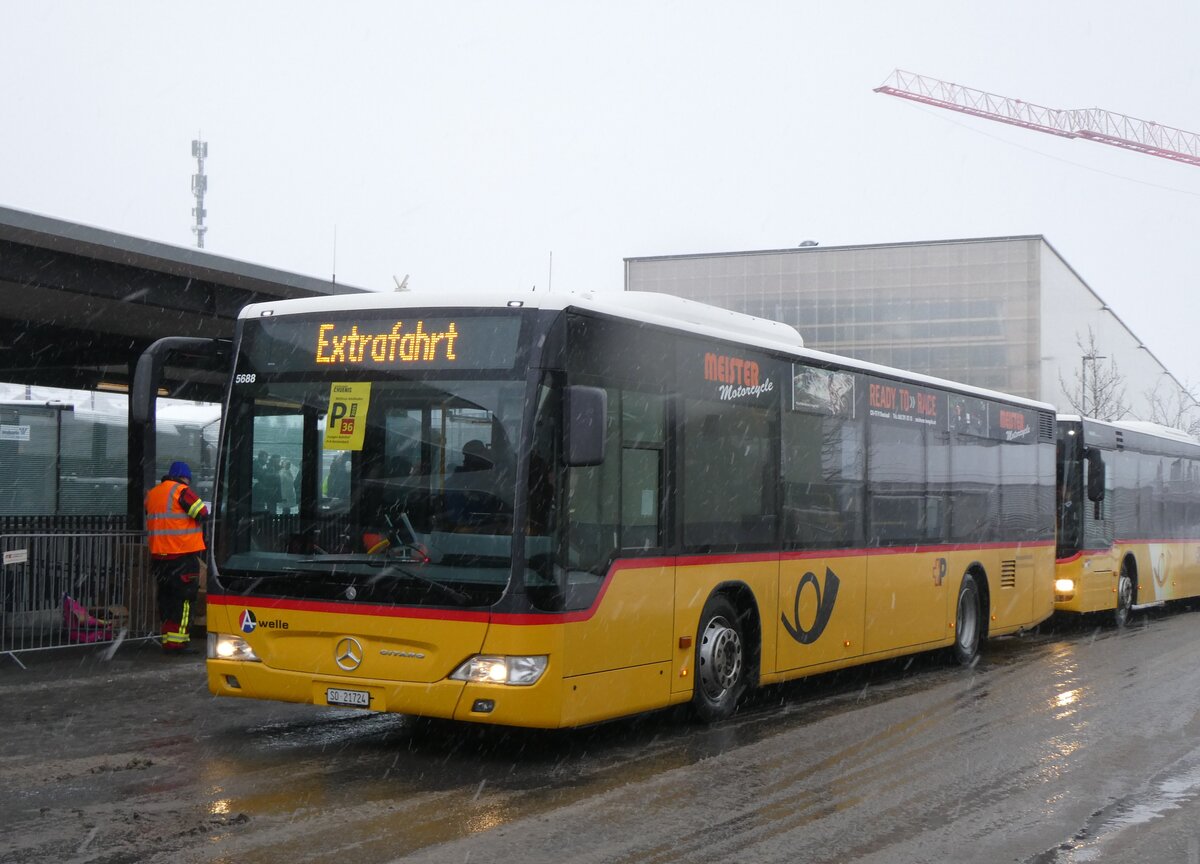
1095,480
587,413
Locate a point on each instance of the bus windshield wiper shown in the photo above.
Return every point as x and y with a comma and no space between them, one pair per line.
390,567
409,543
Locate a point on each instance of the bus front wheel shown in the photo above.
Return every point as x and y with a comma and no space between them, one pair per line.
720,661
1120,615
967,621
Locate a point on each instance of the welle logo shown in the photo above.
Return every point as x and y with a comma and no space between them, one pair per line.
825,602
248,622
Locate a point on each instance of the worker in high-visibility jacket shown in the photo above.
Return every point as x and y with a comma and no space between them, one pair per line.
176,538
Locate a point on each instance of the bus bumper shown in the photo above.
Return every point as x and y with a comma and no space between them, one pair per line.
1080,589
533,706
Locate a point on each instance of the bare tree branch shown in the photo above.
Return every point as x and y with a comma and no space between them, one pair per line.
1177,407
1098,389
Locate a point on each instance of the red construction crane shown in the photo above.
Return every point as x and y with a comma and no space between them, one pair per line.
1094,124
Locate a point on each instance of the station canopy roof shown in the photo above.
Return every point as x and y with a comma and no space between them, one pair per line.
78,305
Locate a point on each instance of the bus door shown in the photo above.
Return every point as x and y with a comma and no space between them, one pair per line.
616,587
1099,470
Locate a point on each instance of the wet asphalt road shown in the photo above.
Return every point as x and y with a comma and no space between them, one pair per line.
1075,744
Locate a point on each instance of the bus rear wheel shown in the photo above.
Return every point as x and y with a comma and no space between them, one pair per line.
967,622
720,661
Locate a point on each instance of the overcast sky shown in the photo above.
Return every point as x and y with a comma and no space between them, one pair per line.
463,144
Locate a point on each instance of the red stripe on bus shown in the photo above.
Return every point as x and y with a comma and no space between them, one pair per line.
544,618
348,608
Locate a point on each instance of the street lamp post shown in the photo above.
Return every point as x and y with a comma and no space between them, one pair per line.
1092,357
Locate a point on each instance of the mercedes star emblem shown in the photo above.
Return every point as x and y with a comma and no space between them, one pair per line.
348,653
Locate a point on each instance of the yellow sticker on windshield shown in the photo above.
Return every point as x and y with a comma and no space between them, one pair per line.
347,420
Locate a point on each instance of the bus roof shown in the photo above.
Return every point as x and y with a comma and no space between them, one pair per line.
1145,427
665,310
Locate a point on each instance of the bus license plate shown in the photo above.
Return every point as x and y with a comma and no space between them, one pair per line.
358,698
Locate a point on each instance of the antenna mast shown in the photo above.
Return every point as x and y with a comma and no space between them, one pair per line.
199,187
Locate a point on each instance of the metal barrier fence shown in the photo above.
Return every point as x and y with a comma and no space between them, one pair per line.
71,589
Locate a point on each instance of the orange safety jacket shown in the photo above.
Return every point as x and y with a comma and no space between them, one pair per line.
171,529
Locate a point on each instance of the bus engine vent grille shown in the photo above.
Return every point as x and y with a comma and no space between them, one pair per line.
1008,574
1045,427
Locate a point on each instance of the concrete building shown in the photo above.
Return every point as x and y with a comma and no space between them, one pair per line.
1006,313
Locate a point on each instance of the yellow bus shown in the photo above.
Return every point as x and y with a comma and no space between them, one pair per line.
554,510
1129,516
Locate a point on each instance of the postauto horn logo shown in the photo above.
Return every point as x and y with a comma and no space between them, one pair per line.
825,600
248,622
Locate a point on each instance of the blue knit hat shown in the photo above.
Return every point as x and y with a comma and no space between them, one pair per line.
180,471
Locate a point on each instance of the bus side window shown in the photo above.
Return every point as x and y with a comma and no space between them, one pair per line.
729,463
617,505
641,498
593,503
642,446
1108,512
822,480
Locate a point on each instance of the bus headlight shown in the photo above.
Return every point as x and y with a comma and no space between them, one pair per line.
518,671
223,646
1064,586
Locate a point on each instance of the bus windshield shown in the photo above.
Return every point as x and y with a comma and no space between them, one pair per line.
397,490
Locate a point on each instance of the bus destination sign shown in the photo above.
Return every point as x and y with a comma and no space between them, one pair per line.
337,345
398,341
